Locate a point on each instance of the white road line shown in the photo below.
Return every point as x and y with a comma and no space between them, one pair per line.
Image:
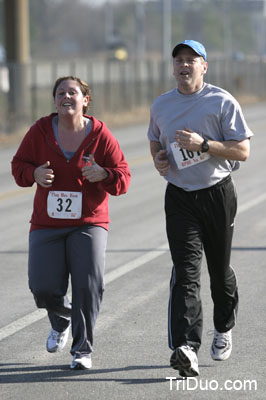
29,190
252,203
111,276
104,322
21,323
131,265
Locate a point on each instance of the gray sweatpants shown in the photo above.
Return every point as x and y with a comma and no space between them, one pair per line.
54,254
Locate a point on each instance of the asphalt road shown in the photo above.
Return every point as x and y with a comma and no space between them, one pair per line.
131,355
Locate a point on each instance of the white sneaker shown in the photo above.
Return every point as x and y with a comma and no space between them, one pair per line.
82,361
222,345
184,358
56,341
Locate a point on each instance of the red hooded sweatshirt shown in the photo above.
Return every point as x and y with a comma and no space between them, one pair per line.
39,145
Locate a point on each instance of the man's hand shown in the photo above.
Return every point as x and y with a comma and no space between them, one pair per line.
161,162
94,172
44,175
189,140
228,149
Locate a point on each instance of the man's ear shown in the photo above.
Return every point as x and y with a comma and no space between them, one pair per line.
205,67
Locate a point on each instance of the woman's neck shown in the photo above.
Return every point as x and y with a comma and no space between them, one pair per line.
73,123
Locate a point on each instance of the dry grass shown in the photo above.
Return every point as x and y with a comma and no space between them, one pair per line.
12,138
137,115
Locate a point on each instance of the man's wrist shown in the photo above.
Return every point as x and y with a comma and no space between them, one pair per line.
205,146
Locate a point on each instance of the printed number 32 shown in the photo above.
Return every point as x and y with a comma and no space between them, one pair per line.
60,207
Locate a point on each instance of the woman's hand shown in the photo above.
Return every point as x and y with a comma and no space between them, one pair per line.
44,175
94,172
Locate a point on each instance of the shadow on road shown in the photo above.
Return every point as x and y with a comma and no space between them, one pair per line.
27,373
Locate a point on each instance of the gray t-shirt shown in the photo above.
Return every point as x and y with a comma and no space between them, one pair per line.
211,112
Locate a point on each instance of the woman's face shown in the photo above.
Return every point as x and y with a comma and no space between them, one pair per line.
69,99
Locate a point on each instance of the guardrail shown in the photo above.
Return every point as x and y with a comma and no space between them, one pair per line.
26,91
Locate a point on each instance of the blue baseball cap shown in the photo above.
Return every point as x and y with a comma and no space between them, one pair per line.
196,46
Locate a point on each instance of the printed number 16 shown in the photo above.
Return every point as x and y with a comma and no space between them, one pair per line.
188,154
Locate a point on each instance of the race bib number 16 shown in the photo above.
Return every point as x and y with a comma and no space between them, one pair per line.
185,158
64,205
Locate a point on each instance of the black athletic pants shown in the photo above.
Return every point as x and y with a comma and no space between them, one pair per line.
196,221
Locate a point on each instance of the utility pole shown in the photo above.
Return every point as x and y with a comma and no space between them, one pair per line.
227,29
166,38
167,29
16,13
263,47
108,22
140,31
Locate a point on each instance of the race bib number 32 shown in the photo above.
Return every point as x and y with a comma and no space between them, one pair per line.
185,158
64,205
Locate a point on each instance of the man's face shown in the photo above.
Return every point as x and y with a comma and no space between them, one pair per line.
189,69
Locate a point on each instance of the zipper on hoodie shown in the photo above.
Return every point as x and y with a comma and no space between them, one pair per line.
77,154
